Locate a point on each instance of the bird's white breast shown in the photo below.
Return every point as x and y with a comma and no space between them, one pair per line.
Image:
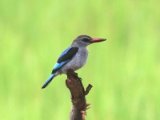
77,61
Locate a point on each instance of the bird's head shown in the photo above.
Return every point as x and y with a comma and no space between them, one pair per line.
85,40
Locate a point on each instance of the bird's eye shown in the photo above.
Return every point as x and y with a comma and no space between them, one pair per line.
86,40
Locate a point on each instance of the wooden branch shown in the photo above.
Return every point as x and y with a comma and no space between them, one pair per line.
78,94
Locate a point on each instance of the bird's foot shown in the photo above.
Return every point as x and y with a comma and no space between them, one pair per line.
72,73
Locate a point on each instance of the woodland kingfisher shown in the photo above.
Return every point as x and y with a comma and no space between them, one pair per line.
74,57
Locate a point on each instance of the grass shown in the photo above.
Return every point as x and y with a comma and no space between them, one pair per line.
124,70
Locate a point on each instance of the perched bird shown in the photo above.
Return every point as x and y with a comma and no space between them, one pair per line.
73,57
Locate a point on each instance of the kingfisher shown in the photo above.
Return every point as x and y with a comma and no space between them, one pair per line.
74,57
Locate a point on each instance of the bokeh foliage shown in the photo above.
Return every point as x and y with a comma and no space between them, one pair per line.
125,70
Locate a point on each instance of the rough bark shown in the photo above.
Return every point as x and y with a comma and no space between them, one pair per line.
78,94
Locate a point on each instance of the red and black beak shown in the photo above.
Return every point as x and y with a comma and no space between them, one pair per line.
95,40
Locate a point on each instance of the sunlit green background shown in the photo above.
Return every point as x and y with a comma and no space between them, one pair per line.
125,70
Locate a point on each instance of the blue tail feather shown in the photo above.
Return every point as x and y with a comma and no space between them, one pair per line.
48,80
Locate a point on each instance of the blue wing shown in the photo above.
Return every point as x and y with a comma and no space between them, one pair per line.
64,52
64,58
58,66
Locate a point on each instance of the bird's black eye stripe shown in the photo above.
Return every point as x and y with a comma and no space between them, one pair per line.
86,39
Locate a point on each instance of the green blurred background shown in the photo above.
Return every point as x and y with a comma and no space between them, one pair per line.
125,70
